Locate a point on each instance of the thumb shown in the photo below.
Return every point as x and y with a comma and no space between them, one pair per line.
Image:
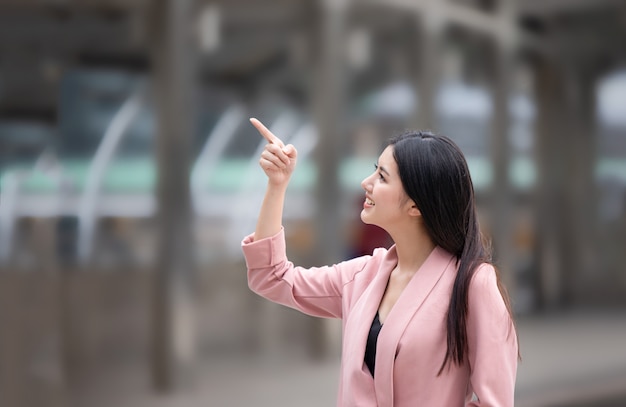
290,150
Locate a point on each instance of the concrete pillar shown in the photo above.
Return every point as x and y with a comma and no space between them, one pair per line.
549,214
172,312
426,64
500,67
566,199
328,104
501,202
579,150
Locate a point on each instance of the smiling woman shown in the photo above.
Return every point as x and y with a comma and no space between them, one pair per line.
425,322
385,199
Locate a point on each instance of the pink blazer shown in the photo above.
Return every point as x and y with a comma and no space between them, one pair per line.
412,342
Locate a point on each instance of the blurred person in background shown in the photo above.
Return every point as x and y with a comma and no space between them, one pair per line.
425,322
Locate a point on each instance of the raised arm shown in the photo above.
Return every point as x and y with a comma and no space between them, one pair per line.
278,162
316,291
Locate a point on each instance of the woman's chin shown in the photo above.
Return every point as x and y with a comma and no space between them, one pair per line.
364,218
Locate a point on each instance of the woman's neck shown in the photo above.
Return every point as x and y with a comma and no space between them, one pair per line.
413,248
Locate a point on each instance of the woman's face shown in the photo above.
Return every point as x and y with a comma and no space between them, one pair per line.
386,203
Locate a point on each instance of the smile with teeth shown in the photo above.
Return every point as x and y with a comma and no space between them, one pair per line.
369,201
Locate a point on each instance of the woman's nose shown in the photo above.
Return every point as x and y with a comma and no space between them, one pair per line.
366,183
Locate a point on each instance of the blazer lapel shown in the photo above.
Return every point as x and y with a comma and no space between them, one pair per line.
408,303
364,310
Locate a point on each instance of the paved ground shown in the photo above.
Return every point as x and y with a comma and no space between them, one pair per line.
570,360
575,360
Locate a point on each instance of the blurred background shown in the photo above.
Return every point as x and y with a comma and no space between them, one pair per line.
129,176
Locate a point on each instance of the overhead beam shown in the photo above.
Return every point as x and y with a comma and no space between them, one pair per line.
552,7
56,33
447,13
103,5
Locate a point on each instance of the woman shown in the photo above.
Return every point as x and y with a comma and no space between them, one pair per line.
425,323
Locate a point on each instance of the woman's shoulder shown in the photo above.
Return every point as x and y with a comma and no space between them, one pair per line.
484,281
484,272
368,265
377,256
485,287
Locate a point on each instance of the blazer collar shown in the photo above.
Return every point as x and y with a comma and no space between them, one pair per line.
409,302
362,315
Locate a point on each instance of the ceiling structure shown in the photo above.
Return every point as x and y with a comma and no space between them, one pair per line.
42,39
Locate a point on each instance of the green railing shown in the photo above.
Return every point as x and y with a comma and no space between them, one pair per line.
138,174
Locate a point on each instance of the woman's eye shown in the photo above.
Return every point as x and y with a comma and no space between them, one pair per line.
380,174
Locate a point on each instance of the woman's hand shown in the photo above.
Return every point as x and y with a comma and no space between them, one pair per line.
277,160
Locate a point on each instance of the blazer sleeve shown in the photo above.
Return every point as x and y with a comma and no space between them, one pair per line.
492,341
316,291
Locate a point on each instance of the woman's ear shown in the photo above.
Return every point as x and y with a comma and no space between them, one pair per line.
413,210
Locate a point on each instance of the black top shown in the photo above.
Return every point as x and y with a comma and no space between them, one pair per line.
370,347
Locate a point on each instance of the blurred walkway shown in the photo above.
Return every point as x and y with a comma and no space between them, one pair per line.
573,360
568,360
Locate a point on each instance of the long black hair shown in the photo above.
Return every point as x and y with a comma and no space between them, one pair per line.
435,175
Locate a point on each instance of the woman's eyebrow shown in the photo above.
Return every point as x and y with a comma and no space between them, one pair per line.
380,167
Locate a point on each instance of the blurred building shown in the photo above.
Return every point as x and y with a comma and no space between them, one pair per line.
129,172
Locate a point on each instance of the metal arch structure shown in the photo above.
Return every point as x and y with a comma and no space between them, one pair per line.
215,144
87,209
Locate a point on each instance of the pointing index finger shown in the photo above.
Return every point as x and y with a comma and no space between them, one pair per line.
267,135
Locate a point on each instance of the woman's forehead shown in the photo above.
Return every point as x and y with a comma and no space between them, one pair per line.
386,157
